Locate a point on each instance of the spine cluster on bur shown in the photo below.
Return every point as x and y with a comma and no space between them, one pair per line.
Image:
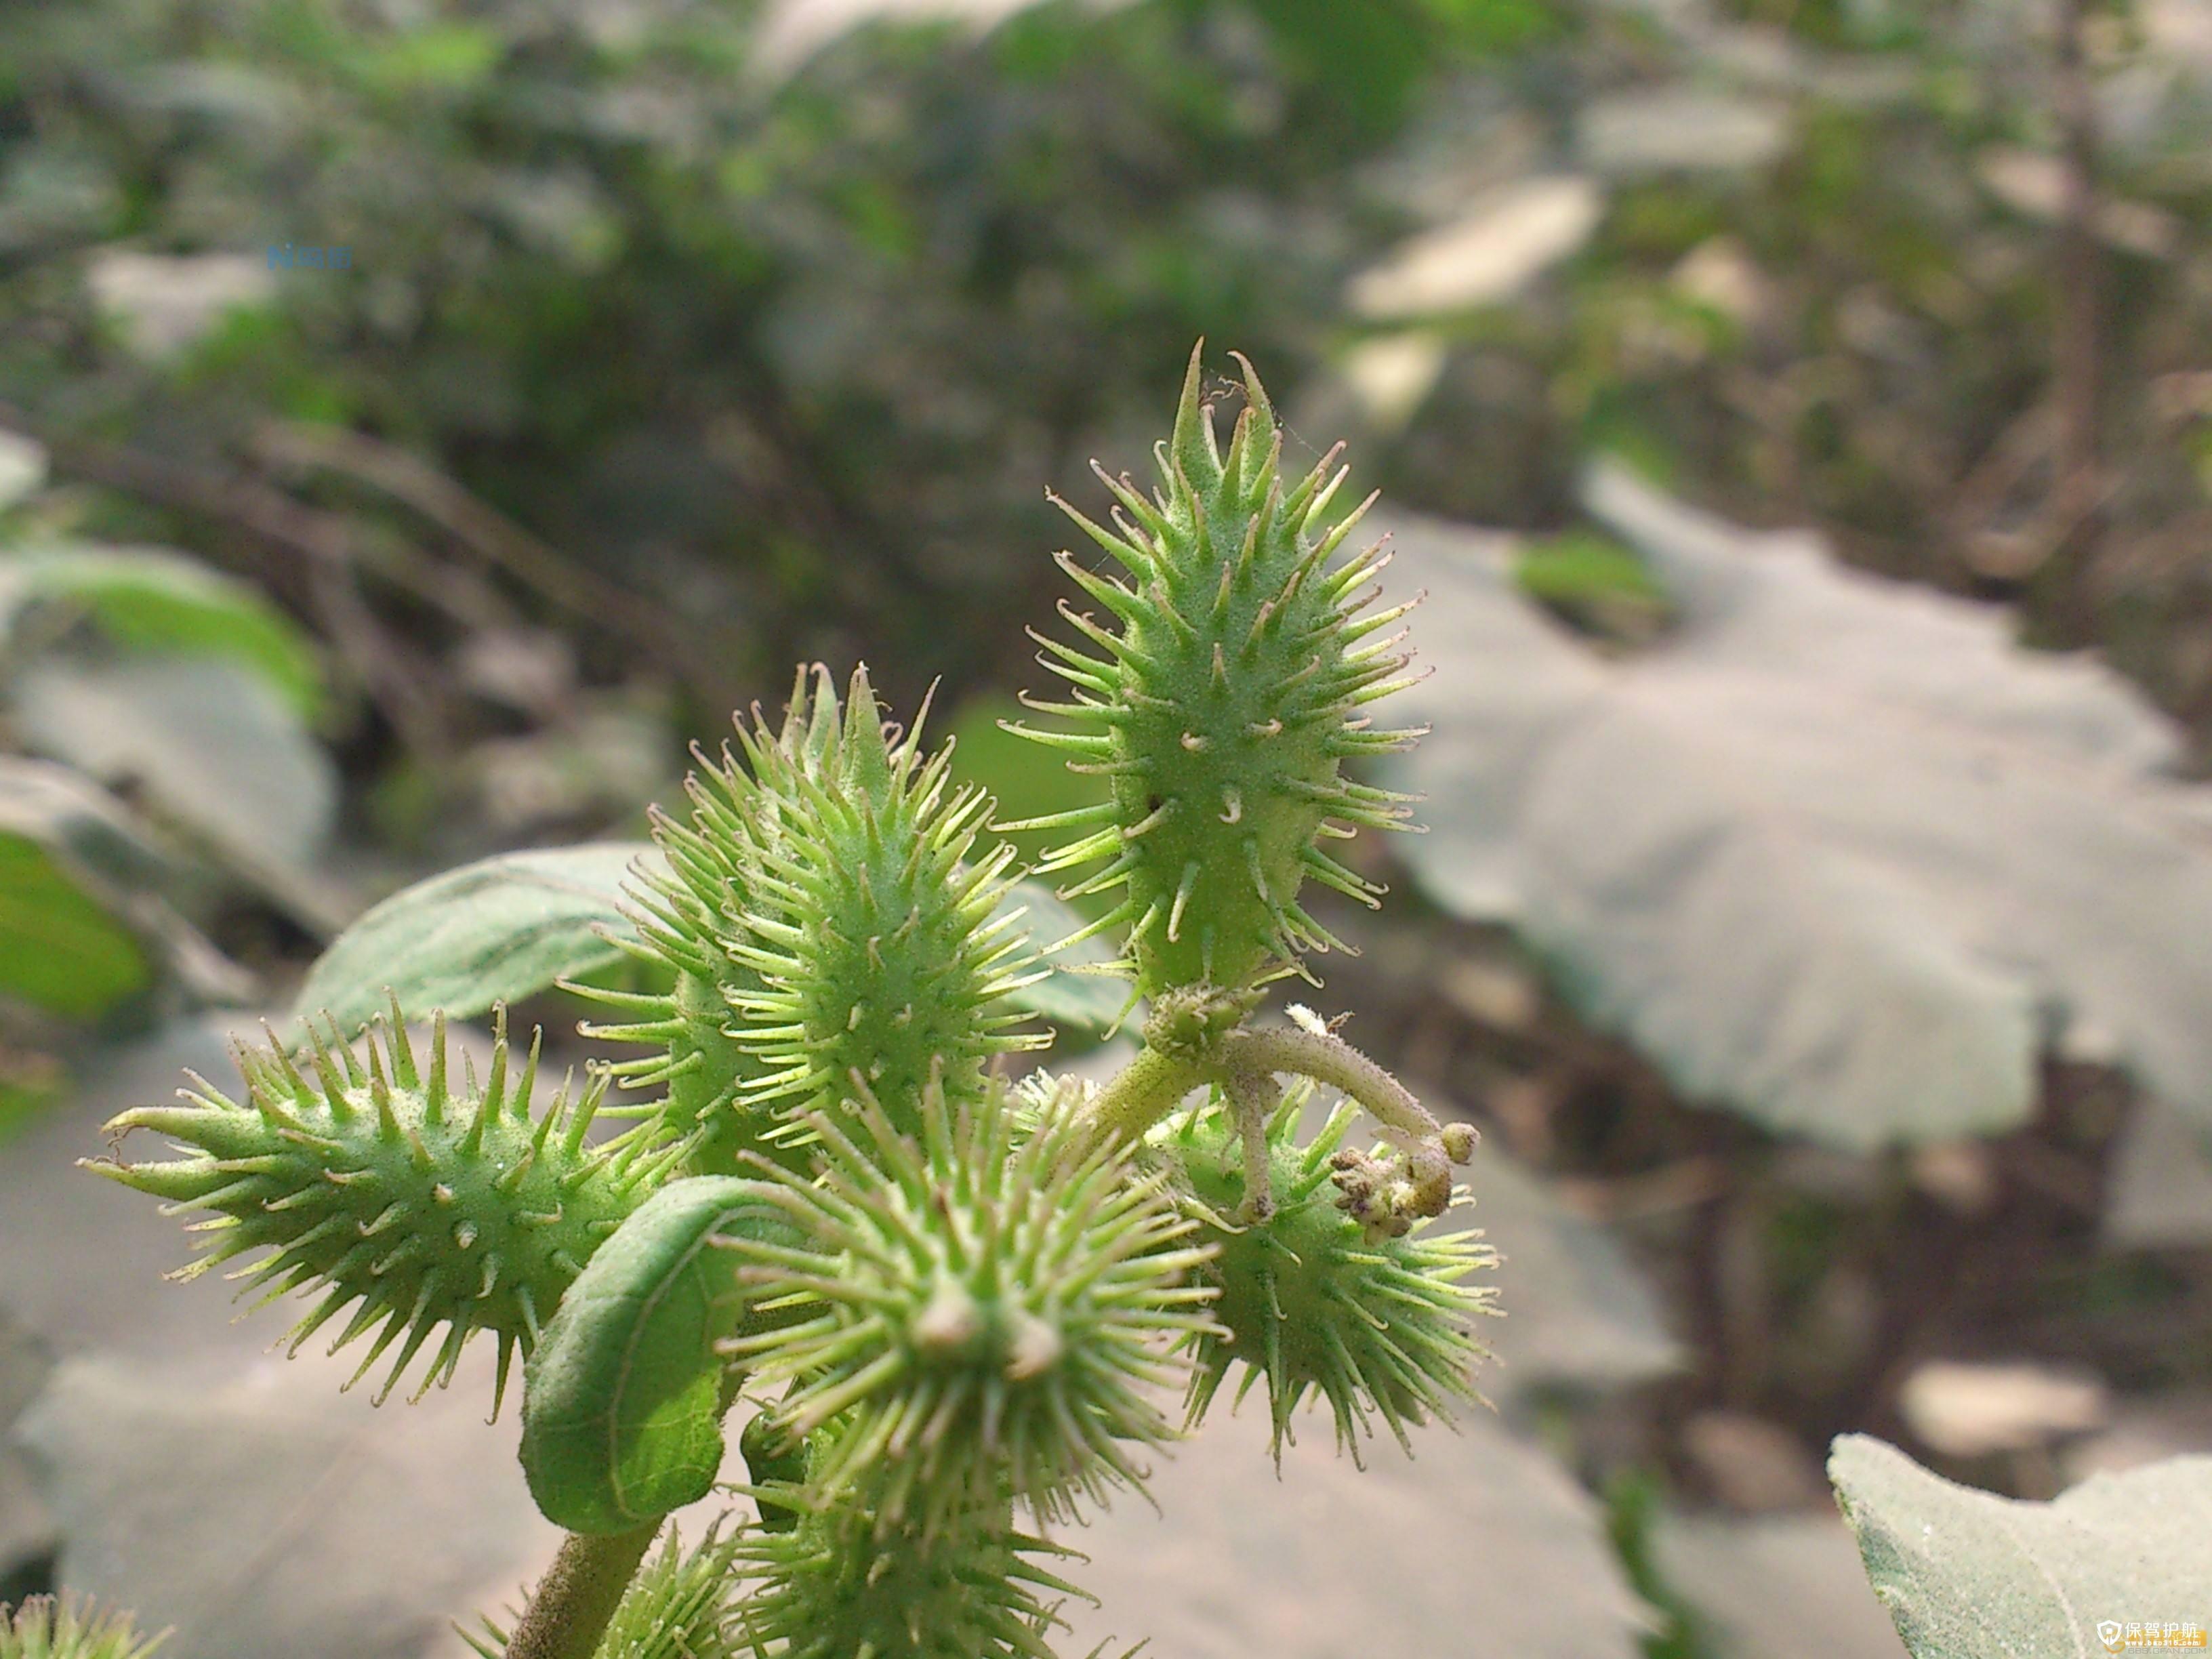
65,1627
951,1305
1222,698
1011,1353
417,1200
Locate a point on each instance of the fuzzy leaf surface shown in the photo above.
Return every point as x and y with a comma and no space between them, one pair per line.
621,1414
498,930
1837,854
1968,1575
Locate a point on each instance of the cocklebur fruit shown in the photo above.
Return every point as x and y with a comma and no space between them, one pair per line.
683,918
976,1314
46,1627
680,1605
1308,1302
880,965
416,1202
1221,700
832,1586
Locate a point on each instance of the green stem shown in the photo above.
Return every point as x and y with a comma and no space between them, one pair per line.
1141,1094
1149,1087
1332,1061
579,1594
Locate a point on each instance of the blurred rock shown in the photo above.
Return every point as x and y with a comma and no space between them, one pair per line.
2159,1184
267,1515
1681,129
1963,1410
22,468
163,303
1752,1466
27,1530
1391,376
1499,245
1959,1175
1479,1544
1719,273
2034,185
532,671
2143,1431
1491,993
1780,1587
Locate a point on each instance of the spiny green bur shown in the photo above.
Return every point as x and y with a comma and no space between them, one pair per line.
44,1627
954,1309
1307,1302
979,1312
867,924
1224,699
418,1204
831,1588
829,931
684,917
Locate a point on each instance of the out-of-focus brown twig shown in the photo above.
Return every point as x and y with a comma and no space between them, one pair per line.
2077,369
502,542
326,550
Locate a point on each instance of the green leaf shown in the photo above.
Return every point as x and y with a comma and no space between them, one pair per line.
622,1412
496,931
1968,1575
1075,1002
63,947
147,598
60,948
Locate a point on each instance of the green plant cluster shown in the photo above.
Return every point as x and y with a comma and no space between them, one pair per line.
952,1303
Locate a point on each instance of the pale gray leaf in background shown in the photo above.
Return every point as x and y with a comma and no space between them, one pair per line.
211,743
154,599
1077,1002
1835,853
1774,1587
1968,1575
1478,1545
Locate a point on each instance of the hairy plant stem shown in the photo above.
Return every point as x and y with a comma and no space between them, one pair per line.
1152,1085
579,1594
1142,1093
